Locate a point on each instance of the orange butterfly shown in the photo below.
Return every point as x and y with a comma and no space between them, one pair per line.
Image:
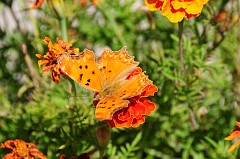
107,77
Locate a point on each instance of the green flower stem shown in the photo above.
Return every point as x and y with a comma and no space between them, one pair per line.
63,22
180,32
101,153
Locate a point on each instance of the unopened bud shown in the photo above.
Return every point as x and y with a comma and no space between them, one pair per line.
103,135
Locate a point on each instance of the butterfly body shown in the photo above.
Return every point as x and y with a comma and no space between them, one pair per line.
108,77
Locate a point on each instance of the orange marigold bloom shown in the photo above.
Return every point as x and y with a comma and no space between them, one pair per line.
176,10
21,150
137,109
51,57
234,134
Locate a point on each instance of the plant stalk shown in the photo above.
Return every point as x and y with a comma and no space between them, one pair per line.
180,33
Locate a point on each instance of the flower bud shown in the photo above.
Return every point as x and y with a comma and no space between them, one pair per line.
103,135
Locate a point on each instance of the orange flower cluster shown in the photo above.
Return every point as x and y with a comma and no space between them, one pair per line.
51,57
21,150
233,135
137,109
176,10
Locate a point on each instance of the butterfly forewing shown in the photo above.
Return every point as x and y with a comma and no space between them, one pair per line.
116,66
108,106
131,87
82,69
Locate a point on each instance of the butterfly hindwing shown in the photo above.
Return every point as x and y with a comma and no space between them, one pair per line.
82,69
116,65
108,106
131,87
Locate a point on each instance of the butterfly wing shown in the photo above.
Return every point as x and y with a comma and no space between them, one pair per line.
131,87
82,69
116,65
122,90
108,106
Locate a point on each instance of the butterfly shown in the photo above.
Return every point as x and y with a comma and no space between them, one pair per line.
106,76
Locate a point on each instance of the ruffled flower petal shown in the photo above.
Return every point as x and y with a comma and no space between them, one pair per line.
137,110
149,91
137,122
150,106
176,10
21,149
138,107
51,57
233,135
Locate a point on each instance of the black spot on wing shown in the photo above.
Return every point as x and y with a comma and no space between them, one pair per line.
81,75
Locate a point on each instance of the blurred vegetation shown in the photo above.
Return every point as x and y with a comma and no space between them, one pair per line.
197,105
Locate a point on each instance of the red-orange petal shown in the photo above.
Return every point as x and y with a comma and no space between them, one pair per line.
46,68
234,134
137,122
137,110
42,62
10,156
150,106
149,90
123,115
120,124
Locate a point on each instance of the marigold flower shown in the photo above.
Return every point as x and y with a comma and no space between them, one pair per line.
176,10
83,2
21,150
51,57
234,134
137,109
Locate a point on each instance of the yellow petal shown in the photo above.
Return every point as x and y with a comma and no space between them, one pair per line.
195,7
234,134
153,4
234,146
41,62
177,4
